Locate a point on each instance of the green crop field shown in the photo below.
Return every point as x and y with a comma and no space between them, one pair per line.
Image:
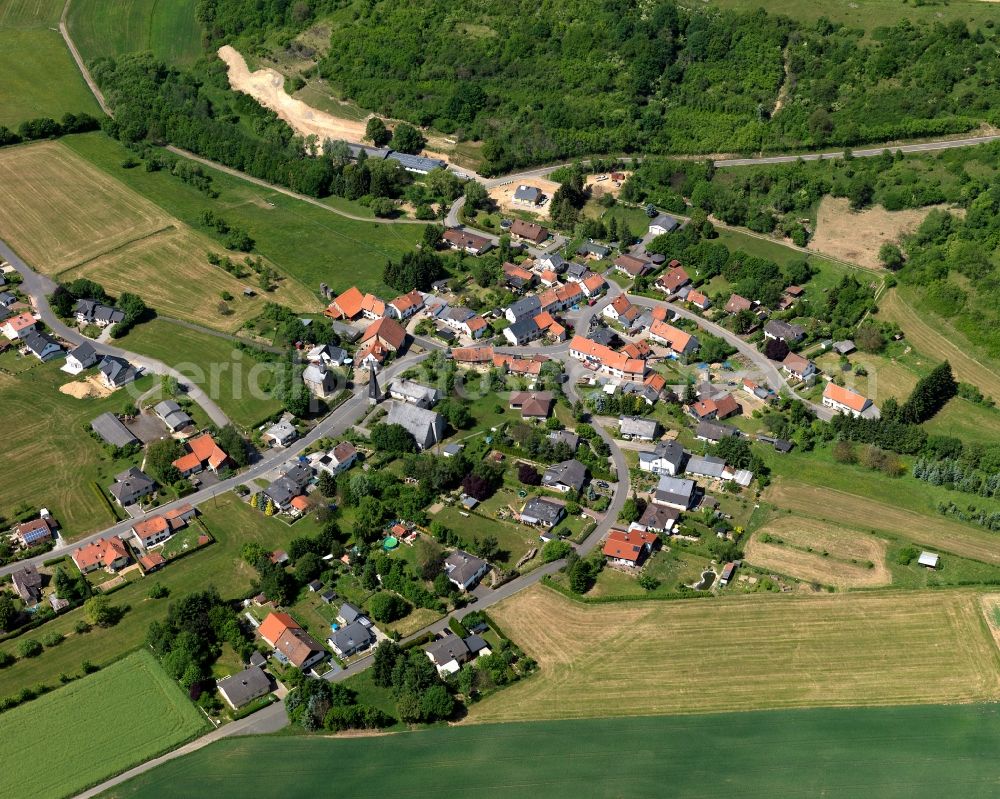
39,75
103,723
233,379
304,241
169,30
50,450
231,523
884,752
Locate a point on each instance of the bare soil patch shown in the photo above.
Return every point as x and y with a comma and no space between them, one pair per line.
607,186
844,564
856,236
504,196
743,652
267,87
860,512
88,388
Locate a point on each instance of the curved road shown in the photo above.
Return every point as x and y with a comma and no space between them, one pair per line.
38,287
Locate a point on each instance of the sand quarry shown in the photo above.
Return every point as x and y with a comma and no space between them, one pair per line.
267,87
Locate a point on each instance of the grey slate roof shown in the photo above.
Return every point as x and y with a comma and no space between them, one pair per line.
425,426
352,638
544,510
527,194
524,329
714,431
675,490
571,473
417,163
172,414
463,567
350,613
109,428
446,649
84,353
567,437
117,370
130,485
658,518
706,466
638,426
526,307
38,343
245,686
666,221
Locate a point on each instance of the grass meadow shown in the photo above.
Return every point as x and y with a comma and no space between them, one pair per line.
910,752
100,725
197,354
743,653
50,457
306,242
169,31
39,75
230,522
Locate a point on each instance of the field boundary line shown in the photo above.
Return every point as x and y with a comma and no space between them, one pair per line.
117,248
87,77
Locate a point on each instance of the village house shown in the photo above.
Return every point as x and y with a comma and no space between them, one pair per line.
464,241
566,477
698,300
172,415
663,224
667,458
474,357
593,251
404,306
524,308
115,372
593,285
34,532
414,393
714,432
104,553
721,406
157,529
80,358
130,486
638,428
548,325
529,196
548,278
706,466
672,281
629,547
659,519
28,584
780,330
451,652
351,639
632,266
680,343
798,368
337,460
280,434
517,277
202,453
90,312
426,427
242,688
522,332
19,326
352,304
542,512
605,359
532,404
737,303
465,570
41,345
319,381
530,366
528,231
618,307
844,400
327,355
290,642
675,492
380,339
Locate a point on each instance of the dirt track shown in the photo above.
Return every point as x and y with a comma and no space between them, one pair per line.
267,87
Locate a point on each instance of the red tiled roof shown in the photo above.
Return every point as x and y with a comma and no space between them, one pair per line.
673,279
347,305
628,544
844,396
151,526
472,354
676,338
20,322
152,561
275,625
300,503
388,330
102,552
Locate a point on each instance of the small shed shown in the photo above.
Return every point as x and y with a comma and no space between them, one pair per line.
929,559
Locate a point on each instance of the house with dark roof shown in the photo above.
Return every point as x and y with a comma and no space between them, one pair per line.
524,308
663,224
568,476
522,332
130,486
28,584
567,437
780,330
542,512
116,372
450,652
714,432
80,358
632,266
675,492
530,196
659,518
465,570
91,312
426,427
706,466
351,639
667,458
528,231
591,250
459,239
243,687
417,164
638,427
41,345
172,415
532,404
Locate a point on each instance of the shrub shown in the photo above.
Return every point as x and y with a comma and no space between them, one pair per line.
29,648
555,550
907,555
53,639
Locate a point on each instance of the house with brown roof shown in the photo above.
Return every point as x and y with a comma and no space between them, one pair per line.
290,642
386,332
629,547
720,407
672,281
104,553
464,241
528,231
517,277
203,453
698,300
631,266
797,367
680,343
593,285
475,357
34,532
28,584
737,303
532,404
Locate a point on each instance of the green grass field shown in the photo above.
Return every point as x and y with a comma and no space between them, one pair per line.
39,75
231,523
304,241
884,752
169,30
50,456
226,374
103,723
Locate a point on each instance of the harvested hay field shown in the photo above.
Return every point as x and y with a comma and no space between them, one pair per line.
844,564
841,507
169,269
743,653
856,236
56,210
940,341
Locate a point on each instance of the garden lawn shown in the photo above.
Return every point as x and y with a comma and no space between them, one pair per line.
102,724
306,242
237,382
912,752
107,28
51,459
40,77
231,523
